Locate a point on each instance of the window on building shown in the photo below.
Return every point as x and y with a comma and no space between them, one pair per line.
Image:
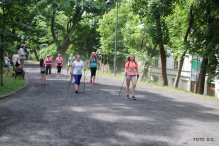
175,64
211,90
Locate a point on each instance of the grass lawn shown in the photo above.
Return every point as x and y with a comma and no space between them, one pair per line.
158,85
11,84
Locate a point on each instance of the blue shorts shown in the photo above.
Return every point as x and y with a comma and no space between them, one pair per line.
130,76
77,79
7,65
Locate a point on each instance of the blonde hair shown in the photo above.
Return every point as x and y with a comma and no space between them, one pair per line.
128,59
93,53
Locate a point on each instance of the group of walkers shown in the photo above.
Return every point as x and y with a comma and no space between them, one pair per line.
76,65
17,60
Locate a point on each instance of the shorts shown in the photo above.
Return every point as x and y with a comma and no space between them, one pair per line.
77,79
7,65
93,71
59,69
42,71
17,64
130,76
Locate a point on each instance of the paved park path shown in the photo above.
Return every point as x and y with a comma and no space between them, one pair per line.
50,115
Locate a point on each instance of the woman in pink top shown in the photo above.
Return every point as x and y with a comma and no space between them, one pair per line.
48,62
59,62
131,69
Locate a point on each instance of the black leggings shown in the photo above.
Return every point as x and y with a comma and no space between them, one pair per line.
48,69
59,69
93,71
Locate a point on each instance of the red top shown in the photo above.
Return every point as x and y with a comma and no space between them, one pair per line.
131,67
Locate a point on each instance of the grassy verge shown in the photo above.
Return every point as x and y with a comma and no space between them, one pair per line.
10,83
159,85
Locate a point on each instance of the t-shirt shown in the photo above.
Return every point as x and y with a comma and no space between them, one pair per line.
59,61
70,61
93,62
15,56
48,61
43,67
78,67
6,61
21,56
131,68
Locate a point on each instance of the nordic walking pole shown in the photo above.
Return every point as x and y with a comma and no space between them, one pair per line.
137,80
122,85
84,81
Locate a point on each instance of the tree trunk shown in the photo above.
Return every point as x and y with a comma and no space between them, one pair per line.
145,72
147,64
176,82
62,50
202,76
163,65
35,53
2,40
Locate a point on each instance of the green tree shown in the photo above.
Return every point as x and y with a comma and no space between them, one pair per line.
68,20
155,13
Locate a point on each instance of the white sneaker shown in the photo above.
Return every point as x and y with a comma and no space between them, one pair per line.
57,77
72,81
47,77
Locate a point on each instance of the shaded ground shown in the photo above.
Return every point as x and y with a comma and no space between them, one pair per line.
51,115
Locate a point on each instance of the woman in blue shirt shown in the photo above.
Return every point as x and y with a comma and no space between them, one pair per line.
93,64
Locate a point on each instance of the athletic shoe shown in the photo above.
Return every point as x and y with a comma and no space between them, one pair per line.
57,77
91,81
76,91
127,97
133,97
47,77
72,81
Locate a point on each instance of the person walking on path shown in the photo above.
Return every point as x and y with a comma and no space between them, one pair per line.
48,62
15,60
131,69
42,70
59,62
77,67
93,64
22,55
7,63
70,62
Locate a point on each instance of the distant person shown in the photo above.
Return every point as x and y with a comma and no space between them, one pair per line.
93,64
70,62
131,69
15,60
7,63
48,62
22,55
59,62
42,70
77,66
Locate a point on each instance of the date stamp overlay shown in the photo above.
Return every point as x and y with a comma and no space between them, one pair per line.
203,139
